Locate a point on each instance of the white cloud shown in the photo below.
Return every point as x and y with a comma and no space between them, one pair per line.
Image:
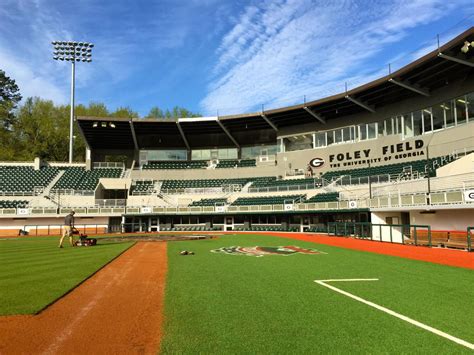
301,47
26,56
29,82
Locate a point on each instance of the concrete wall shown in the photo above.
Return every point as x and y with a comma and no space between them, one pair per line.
460,166
76,201
445,220
115,184
11,226
384,150
383,233
193,174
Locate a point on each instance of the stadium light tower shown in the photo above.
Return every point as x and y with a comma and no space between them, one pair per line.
73,52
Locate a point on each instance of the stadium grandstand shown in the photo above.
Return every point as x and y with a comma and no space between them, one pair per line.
398,150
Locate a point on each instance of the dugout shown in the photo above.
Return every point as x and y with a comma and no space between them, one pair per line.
295,221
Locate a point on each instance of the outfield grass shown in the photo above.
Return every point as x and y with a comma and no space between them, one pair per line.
34,272
217,303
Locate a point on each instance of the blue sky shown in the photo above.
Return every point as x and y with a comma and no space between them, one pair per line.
218,57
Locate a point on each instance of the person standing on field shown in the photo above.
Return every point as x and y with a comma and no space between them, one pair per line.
68,226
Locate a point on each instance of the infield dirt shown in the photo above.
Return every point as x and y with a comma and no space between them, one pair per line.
118,310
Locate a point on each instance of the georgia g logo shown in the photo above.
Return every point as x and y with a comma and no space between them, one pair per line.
316,162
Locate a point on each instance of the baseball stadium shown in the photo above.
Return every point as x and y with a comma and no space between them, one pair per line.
339,225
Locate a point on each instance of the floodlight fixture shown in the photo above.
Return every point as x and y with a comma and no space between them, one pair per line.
465,47
72,51
95,124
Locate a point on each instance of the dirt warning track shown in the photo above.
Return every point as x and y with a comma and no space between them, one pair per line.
118,310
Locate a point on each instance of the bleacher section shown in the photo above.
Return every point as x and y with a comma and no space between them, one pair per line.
209,202
422,167
324,197
195,164
244,163
142,187
13,204
289,183
266,200
25,178
77,178
208,183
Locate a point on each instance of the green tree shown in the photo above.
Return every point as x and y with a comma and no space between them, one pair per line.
176,112
95,109
155,112
124,112
9,98
42,130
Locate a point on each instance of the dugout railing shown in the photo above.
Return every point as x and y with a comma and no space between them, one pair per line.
470,231
418,235
392,233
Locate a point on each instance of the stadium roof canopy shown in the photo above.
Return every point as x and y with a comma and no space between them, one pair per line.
421,77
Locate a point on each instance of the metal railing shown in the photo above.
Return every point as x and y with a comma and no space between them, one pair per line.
418,235
459,181
71,192
113,206
469,238
196,190
439,198
98,165
111,202
119,210
16,193
392,233
281,188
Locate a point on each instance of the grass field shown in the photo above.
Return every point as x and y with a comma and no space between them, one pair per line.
218,303
34,272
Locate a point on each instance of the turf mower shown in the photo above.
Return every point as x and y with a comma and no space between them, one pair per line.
83,241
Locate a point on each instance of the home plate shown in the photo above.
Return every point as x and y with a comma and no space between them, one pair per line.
395,314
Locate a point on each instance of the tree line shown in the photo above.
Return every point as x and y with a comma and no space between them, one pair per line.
40,128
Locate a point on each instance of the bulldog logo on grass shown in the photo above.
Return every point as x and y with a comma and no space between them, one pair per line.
259,251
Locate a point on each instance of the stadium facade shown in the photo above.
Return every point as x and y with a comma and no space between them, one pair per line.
395,151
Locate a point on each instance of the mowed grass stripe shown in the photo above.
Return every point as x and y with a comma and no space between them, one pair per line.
35,272
219,303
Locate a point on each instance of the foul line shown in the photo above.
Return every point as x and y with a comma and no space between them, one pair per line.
395,314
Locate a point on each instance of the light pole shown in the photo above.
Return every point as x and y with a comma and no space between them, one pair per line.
73,52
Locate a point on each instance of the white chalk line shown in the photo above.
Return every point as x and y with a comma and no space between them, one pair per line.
395,314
